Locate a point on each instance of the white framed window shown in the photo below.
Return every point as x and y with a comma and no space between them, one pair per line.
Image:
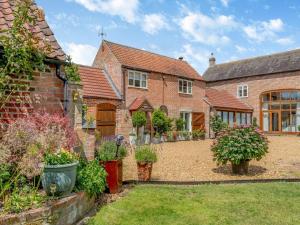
242,91
185,86
137,79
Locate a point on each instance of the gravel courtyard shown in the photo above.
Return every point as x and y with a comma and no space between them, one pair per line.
192,161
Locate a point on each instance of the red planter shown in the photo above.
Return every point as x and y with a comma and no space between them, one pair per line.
114,177
144,171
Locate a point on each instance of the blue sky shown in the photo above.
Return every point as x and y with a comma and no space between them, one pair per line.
231,29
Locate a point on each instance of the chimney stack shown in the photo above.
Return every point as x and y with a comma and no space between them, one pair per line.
180,58
212,60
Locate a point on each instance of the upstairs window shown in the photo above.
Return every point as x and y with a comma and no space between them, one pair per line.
242,91
137,79
185,86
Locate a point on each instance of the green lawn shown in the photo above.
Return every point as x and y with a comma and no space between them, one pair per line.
247,204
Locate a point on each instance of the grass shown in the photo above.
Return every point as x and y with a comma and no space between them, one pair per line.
247,204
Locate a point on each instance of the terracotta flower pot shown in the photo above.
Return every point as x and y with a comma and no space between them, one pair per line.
144,171
114,178
241,168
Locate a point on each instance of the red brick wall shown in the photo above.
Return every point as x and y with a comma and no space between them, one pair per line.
259,84
46,93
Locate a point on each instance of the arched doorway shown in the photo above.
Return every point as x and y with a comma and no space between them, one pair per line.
280,111
106,119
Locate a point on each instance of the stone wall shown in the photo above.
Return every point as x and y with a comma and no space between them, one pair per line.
65,211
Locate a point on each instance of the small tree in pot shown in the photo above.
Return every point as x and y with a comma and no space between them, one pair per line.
161,122
110,155
139,120
145,157
239,145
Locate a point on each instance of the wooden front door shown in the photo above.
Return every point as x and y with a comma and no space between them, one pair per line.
198,121
106,119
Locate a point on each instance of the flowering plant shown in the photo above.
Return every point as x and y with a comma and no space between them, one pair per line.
239,144
61,157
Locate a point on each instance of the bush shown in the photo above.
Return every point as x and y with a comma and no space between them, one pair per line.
139,119
60,158
91,178
239,144
145,154
108,151
179,124
198,134
161,122
217,125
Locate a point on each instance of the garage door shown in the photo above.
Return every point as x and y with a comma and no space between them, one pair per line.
106,119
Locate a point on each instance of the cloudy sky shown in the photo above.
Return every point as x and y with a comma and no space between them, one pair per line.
231,29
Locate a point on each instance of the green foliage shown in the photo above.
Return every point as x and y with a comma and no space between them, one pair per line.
71,71
198,134
161,122
139,119
5,175
24,199
217,124
91,178
254,122
21,53
239,144
60,158
108,151
171,136
145,154
179,124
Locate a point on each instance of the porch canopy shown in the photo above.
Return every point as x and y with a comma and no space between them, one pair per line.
141,104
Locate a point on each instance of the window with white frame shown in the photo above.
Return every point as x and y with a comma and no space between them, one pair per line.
137,79
185,86
242,91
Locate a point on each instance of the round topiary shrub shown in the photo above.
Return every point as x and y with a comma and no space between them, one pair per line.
239,145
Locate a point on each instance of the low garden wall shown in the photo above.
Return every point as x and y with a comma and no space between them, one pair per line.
65,211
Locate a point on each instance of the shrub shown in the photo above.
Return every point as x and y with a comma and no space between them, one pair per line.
91,178
161,122
171,136
179,124
145,154
139,119
239,144
217,124
60,158
198,133
254,122
108,151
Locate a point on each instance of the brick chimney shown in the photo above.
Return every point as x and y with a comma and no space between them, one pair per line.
212,60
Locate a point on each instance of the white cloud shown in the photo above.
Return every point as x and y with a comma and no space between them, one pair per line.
81,53
225,2
205,29
285,41
127,10
240,49
152,23
265,30
67,19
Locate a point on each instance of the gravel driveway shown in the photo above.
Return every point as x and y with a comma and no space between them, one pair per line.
192,161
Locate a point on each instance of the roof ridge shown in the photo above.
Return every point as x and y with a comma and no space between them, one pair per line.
142,50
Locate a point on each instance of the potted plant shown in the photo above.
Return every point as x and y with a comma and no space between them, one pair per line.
145,157
161,122
239,145
147,137
217,125
156,139
59,173
171,136
110,155
198,134
179,127
139,120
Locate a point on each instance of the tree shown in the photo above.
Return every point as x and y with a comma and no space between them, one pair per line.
139,119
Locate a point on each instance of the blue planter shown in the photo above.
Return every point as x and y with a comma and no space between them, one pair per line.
59,180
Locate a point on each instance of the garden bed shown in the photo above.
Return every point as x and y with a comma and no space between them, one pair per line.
193,161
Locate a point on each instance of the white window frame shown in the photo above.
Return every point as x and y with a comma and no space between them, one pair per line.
242,87
187,87
136,74
189,122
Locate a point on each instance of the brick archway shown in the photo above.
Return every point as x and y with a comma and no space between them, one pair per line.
106,119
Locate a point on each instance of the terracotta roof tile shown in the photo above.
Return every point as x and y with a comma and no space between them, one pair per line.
222,99
42,29
95,83
138,103
144,60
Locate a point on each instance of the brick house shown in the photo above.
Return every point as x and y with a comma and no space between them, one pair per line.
269,84
147,81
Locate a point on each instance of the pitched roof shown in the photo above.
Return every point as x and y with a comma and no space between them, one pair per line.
140,102
96,83
41,30
222,99
144,60
263,65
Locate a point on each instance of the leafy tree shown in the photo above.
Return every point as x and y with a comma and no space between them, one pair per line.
161,122
71,70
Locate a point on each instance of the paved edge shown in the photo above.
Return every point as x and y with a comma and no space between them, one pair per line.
162,182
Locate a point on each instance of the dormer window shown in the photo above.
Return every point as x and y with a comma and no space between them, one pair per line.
242,91
137,79
185,86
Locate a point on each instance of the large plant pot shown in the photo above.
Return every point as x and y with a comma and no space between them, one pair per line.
156,140
59,180
144,171
241,168
114,178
